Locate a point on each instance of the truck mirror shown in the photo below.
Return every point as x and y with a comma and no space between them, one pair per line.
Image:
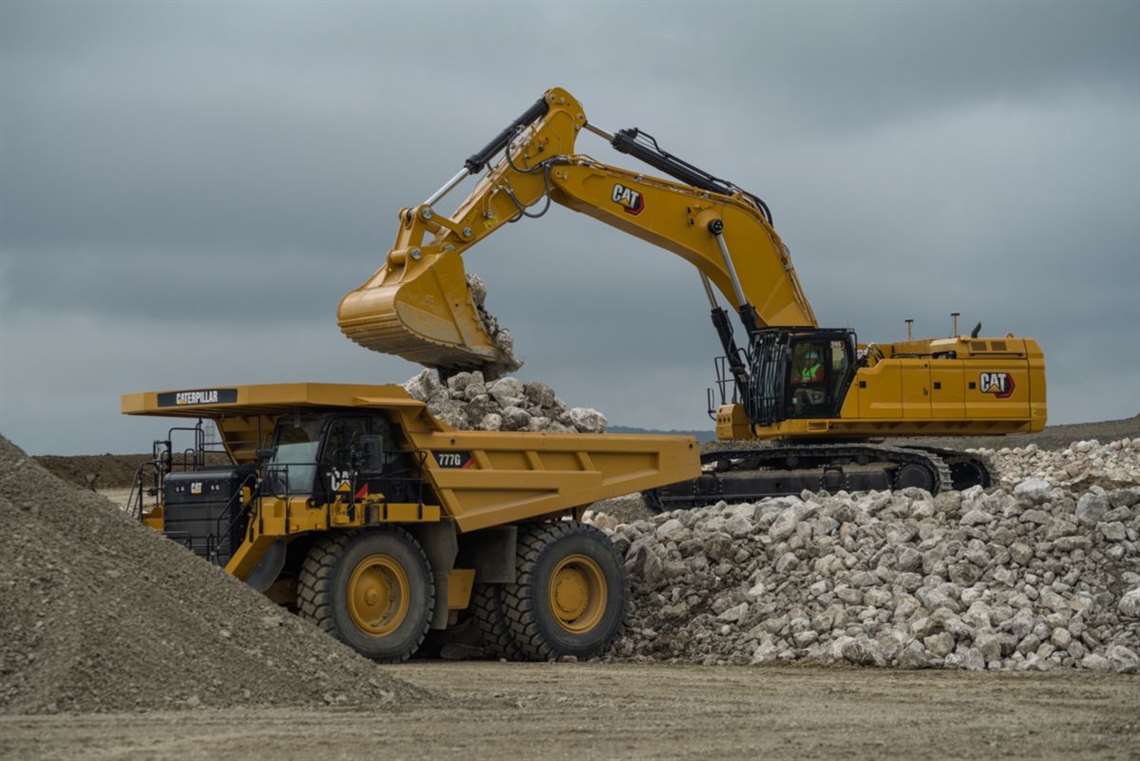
368,453
265,455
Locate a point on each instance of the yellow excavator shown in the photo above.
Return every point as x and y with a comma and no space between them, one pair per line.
822,401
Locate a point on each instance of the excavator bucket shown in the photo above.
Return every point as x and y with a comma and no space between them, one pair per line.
419,305
421,309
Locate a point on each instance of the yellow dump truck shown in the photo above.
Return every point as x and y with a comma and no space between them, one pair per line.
354,506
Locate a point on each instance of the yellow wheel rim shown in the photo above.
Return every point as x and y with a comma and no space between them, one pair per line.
578,593
378,595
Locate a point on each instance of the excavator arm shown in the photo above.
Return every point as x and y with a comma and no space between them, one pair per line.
418,305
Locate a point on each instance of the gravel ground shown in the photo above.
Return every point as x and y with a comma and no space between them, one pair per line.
596,711
103,614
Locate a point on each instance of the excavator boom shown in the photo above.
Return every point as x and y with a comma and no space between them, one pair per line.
418,305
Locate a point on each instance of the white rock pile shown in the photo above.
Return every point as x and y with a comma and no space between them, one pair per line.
468,401
1032,574
1083,463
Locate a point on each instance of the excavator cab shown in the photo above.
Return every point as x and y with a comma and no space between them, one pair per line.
799,374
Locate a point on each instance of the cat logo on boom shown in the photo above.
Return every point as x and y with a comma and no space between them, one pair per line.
631,200
999,384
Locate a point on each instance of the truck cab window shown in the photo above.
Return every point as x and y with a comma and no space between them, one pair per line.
293,465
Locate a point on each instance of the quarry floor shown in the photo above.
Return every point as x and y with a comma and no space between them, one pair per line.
583,711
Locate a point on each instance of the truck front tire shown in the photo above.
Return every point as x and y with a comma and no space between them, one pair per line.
373,590
569,597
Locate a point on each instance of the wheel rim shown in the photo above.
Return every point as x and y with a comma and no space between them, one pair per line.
378,595
578,593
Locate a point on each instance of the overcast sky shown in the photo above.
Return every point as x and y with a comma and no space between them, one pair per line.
189,188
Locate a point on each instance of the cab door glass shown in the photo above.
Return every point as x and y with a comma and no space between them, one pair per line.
336,456
840,365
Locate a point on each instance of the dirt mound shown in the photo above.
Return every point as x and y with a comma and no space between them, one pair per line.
102,614
110,471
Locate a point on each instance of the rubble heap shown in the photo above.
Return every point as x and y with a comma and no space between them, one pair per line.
468,401
1081,464
1032,574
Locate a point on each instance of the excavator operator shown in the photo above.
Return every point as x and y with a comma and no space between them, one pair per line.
809,377
811,369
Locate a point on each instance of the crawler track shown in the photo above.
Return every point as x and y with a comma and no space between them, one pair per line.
741,475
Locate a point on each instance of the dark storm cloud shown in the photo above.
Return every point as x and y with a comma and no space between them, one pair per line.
192,187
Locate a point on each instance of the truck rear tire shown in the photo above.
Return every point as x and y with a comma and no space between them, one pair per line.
569,597
494,627
372,590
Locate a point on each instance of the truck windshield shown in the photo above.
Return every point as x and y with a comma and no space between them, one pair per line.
295,443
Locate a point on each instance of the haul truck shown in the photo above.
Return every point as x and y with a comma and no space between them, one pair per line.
357,508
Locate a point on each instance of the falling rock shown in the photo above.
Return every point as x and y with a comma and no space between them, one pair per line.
477,288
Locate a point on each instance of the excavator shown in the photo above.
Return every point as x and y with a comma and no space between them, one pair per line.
805,407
